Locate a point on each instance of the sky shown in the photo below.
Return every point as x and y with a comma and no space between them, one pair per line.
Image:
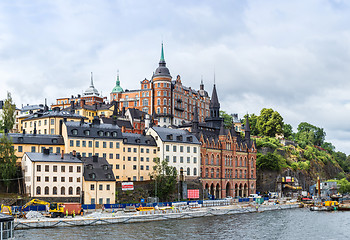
291,56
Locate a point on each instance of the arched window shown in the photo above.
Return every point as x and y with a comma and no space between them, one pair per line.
212,173
206,159
245,173
46,190
63,191
158,102
217,173
240,173
54,191
164,102
236,173
252,174
164,109
194,171
206,172
158,110
212,160
188,171
240,162
38,190
70,191
218,160
236,162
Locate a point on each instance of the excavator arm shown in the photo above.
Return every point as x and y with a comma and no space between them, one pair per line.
35,201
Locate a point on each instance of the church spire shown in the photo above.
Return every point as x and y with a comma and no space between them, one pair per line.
162,55
247,129
214,101
92,80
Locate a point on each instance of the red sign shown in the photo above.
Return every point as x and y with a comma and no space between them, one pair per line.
127,186
288,179
192,193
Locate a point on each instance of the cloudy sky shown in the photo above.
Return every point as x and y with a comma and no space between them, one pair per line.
292,56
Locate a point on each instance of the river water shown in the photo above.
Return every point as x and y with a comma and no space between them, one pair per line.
282,224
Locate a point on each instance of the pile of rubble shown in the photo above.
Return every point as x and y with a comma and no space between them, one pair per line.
34,215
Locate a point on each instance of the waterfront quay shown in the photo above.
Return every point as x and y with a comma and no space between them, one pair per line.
98,218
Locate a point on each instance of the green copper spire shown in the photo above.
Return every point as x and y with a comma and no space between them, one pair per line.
162,55
117,88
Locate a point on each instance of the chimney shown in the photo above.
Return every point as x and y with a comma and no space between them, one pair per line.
95,158
79,156
74,153
123,129
81,121
62,154
82,103
72,106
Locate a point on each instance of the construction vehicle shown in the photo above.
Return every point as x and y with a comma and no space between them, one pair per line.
54,209
6,209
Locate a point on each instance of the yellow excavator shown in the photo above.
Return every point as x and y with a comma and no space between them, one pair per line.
55,209
6,209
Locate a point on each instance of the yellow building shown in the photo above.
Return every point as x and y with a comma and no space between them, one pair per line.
46,122
90,111
35,143
99,182
131,156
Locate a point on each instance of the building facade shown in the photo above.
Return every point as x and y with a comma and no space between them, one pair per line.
179,148
228,161
99,181
49,175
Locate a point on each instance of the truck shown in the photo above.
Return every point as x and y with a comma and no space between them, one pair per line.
57,209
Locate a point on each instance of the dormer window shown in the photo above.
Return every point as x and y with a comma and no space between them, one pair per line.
179,138
93,175
100,133
189,139
108,176
138,140
107,134
105,167
89,166
20,139
125,140
54,141
75,132
87,132
169,137
114,134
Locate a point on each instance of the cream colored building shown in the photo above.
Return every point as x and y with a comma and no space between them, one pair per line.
131,156
46,122
179,148
49,175
99,182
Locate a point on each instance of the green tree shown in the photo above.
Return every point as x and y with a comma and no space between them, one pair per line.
270,161
310,133
8,114
287,131
227,119
164,177
7,160
269,122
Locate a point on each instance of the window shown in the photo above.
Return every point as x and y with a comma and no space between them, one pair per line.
70,179
63,190
147,159
78,191
108,187
20,149
167,147
194,149
78,169
70,168
141,159
111,156
97,144
104,144
135,159
38,190
47,168
181,159
46,179
38,168
71,143
188,171
100,187
70,191
100,201
52,121
181,148
33,149
104,155
174,148
129,149
92,187
147,150
188,160
147,167
194,160
78,179
195,171
117,166
54,191
117,156
110,144
174,159
77,143
90,144
54,179
134,167
117,145
92,200
63,179
38,179
129,158
75,132
188,149
58,149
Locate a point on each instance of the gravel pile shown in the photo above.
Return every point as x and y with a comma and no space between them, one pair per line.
33,214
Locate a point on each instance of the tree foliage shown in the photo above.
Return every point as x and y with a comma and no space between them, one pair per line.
269,123
310,134
287,131
8,113
7,160
227,119
270,161
165,179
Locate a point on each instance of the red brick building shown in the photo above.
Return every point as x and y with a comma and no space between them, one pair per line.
228,161
163,98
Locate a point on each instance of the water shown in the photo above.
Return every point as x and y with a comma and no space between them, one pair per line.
285,224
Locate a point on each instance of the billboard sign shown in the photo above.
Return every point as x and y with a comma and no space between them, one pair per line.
193,193
127,186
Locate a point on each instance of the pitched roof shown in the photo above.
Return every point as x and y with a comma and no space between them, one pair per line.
63,114
175,135
138,139
41,139
100,168
214,102
95,130
52,157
